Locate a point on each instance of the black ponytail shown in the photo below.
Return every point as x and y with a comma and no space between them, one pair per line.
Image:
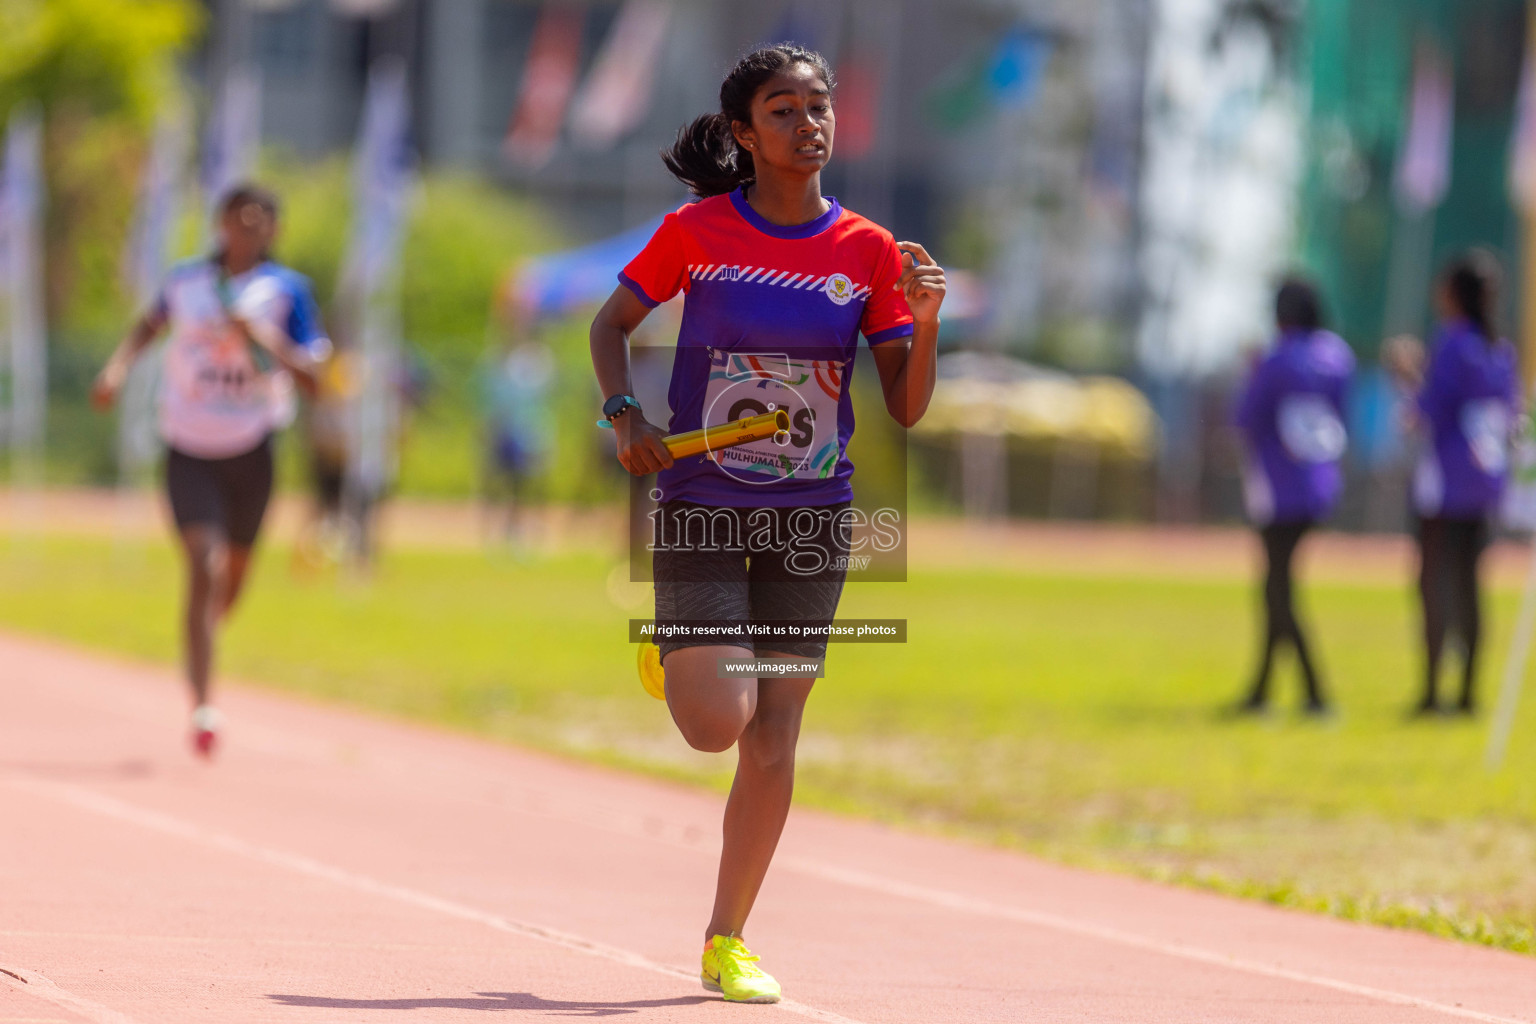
1473,283
705,156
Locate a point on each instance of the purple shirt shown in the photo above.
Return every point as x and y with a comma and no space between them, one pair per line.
1292,419
1469,400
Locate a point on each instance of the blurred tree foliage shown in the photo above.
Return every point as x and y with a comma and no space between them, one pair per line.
99,70
463,241
464,238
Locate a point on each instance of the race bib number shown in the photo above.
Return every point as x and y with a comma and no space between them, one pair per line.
213,368
1485,423
1310,429
808,390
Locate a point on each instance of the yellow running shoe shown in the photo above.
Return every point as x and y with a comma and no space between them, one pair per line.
730,968
652,676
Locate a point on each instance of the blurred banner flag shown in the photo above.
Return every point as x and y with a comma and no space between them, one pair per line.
1007,78
617,93
857,105
1424,161
382,176
1522,146
154,218
145,259
1421,178
233,134
549,78
21,236
359,8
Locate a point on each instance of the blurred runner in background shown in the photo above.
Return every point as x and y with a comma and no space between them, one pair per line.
325,537
515,388
1466,405
241,328
1291,416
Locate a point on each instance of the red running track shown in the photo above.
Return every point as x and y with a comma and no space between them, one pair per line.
334,868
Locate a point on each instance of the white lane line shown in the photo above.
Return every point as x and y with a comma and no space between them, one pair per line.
34,984
110,807
633,824
970,905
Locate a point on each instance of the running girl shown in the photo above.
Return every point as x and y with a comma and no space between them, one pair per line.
1466,406
241,327
780,281
1292,419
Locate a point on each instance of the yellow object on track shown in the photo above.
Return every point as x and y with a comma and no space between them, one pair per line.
652,676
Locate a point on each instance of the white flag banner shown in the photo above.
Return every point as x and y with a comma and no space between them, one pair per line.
616,96
1424,162
21,218
1522,147
382,184
381,177
146,258
147,254
233,135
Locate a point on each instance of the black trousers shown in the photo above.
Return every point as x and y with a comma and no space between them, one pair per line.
1280,622
1450,551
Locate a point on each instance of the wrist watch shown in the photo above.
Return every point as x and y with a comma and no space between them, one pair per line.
615,407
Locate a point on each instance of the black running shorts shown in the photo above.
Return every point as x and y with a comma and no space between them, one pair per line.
229,494
749,565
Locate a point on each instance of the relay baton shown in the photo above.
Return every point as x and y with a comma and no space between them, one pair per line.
727,435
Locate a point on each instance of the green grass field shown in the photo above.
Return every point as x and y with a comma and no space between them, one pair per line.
1072,716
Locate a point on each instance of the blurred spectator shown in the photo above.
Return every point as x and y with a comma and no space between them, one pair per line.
324,537
515,390
1465,407
1291,416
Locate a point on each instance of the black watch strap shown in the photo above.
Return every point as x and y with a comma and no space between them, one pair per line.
617,406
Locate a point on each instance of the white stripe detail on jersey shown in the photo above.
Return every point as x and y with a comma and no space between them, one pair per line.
768,276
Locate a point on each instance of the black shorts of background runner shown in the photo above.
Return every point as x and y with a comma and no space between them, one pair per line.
1449,553
733,566
229,494
329,480
1280,621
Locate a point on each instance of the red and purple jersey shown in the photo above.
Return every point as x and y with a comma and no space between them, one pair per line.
771,319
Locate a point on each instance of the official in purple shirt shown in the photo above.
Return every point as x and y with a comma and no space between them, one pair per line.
1466,407
1291,417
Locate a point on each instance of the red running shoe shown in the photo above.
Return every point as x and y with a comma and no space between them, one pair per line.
205,731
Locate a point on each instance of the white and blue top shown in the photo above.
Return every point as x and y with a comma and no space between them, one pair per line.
222,395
